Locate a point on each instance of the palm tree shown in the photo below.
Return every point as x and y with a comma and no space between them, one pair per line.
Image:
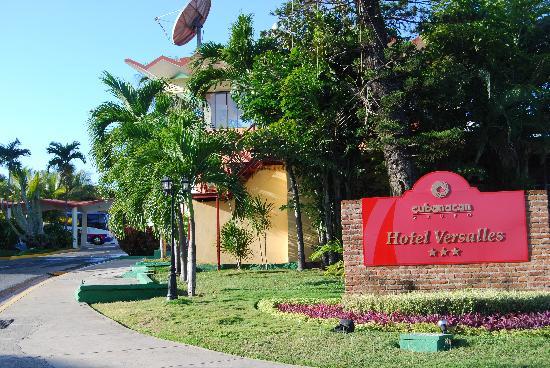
62,161
191,152
111,122
10,156
145,136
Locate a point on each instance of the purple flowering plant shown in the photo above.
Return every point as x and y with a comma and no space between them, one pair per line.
491,322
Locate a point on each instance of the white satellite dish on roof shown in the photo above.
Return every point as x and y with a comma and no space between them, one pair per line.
190,21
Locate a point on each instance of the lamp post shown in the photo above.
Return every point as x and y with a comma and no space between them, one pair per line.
172,283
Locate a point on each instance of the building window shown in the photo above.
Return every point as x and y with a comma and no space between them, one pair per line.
222,112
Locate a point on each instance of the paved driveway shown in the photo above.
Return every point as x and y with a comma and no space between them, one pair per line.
16,275
49,329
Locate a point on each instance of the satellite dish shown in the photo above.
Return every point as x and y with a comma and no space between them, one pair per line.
190,21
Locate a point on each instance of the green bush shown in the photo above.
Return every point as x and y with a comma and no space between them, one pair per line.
456,302
8,238
138,243
335,270
57,236
236,241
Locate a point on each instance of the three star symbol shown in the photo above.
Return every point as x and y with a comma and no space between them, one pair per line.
444,252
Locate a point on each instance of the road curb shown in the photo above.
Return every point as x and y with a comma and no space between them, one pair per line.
13,258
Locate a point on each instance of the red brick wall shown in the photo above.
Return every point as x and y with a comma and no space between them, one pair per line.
533,275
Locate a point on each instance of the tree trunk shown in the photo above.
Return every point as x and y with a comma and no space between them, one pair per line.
337,210
399,168
162,248
10,203
327,203
177,251
265,249
192,254
182,247
298,217
398,163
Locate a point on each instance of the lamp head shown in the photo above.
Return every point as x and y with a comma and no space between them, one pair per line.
166,185
442,323
185,184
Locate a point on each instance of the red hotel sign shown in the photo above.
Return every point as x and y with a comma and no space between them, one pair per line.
443,220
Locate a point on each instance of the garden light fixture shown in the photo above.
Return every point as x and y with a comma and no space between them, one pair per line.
172,283
185,184
345,326
442,323
166,185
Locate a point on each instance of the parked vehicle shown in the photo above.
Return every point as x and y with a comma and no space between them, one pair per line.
97,230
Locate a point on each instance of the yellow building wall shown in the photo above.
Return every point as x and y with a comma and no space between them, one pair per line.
271,184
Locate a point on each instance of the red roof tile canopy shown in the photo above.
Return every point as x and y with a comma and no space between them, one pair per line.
99,205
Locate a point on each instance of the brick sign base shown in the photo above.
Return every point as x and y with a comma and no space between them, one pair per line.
532,275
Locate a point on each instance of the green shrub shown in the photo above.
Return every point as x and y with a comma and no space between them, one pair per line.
335,270
334,246
236,241
57,236
8,238
138,243
455,302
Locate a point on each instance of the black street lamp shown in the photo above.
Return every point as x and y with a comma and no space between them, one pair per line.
185,184
172,283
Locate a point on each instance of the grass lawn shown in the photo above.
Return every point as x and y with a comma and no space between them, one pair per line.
225,318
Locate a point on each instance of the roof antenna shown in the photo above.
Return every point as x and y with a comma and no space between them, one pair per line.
161,19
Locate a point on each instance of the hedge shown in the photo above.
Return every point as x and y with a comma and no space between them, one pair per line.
455,302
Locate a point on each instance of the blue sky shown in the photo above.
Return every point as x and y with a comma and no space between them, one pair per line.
53,52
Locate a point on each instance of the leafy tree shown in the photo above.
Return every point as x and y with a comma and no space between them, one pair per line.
236,241
485,72
3,186
120,131
259,100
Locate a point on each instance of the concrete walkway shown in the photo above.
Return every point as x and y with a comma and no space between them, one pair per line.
51,330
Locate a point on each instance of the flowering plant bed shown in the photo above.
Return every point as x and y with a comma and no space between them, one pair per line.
537,323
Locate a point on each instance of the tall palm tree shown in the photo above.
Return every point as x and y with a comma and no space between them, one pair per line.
189,151
141,138
10,155
111,122
62,161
